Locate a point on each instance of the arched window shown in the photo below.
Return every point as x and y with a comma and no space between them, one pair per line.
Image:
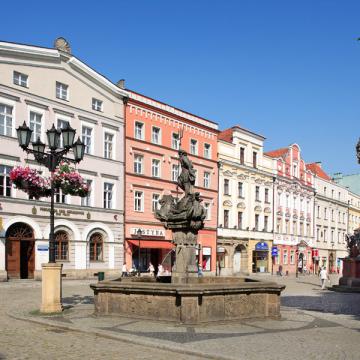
61,245
96,247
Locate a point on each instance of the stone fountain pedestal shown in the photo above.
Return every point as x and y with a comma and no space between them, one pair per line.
350,281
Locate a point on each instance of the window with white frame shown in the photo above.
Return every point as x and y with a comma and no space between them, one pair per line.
86,201
193,147
62,91
35,125
292,257
138,201
174,172
207,151
138,164
240,189
108,145
156,135
139,130
60,197
155,168
6,118
207,211
226,187
175,141
206,179
108,195
61,124
20,79
155,204
86,135
97,104
285,257
5,184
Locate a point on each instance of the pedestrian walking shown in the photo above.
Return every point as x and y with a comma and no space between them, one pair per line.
151,269
323,277
124,271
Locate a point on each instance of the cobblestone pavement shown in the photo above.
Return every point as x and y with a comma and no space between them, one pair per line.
315,324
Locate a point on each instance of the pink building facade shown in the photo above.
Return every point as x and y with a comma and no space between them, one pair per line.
151,170
294,212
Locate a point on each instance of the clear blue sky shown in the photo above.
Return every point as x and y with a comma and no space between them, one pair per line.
289,70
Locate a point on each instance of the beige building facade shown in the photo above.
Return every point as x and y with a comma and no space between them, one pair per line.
246,182
44,86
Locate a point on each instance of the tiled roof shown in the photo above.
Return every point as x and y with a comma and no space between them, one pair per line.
318,171
226,135
277,153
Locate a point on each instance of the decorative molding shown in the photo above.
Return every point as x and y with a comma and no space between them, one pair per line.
88,172
84,118
9,157
111,127
63,112
36,104
258,208
267,210
241,205
227,203
10,97
227,173
108,176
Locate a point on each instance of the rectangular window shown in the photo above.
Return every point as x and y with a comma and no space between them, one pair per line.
108,145
240,220
86,201
318,211
325,213
266,223
206,258
285,257
207,211
325,235
155,205
5,185
287,226
174,172
5,120
86,134
292,257
139,201
267,195
193,147
108,195
20,79
206,179
139,130
317,234
155,168
254,159
256,222
240,189
257,193
60,198
226,187
242,156
61,124
138,164
294,228
35,125
97,104
156,135
207,151
62,91
175,141
226,218
301,229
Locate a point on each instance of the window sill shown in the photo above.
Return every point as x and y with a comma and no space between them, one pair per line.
97,261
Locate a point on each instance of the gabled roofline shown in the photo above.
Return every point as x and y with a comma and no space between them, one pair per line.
39,51
246,131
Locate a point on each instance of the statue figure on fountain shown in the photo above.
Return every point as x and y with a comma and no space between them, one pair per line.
185,217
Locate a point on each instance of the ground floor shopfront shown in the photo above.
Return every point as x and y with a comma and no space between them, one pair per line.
331,260
145,244
84,246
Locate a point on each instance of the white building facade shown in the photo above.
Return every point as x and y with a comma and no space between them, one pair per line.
42,87
246,182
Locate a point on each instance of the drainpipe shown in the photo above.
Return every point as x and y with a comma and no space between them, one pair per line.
273,225
217,218
125,101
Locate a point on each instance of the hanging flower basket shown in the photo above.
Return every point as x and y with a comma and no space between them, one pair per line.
33,183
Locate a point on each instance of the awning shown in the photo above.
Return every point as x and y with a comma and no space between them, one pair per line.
152,244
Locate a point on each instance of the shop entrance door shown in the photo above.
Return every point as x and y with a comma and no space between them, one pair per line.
260,261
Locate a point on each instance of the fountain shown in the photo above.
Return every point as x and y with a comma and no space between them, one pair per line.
188,299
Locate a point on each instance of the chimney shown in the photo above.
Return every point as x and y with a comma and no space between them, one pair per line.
318,163
121,84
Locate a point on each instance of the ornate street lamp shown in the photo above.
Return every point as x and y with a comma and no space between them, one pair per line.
51,159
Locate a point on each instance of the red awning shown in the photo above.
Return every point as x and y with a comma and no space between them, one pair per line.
152,244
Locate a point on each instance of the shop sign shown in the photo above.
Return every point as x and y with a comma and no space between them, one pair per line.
206,251
220,249
261,246
274,251
146,232
43,247
62,212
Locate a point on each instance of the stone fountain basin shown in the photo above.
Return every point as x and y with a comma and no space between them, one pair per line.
200,300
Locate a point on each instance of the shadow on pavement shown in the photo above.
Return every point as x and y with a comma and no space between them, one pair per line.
78,300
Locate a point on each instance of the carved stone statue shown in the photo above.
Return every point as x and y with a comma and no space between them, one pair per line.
353,243
358,151
185,217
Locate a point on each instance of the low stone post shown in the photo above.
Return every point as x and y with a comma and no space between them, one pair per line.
51,288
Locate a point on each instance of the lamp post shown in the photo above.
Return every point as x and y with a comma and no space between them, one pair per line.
139,233
51,159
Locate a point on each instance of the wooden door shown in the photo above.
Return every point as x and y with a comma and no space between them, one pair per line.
13,258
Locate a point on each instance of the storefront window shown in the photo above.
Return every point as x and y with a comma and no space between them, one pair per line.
206,258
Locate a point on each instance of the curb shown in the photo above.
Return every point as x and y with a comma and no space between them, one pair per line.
123,338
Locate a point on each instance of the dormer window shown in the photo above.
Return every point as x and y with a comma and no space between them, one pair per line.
20,79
